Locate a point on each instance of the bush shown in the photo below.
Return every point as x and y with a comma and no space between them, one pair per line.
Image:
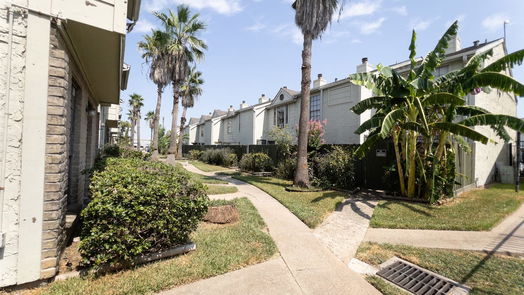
286,169
220,157
336,169
194,154
256,162
138,207
116,151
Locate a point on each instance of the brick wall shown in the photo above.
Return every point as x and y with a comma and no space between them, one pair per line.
57,152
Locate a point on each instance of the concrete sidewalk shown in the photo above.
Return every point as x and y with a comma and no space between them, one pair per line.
505,238
305,266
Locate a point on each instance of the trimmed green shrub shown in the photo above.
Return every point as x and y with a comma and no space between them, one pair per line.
220,157
286,168
194,154
256,162
138,207
336,169
113,150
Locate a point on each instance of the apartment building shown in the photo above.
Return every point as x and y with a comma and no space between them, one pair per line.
61,61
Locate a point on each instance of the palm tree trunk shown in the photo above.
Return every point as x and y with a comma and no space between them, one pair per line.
138,133
132,133
156,123
302,173
181,135
173,137
400,170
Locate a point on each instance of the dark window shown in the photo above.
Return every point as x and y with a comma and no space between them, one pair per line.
282,116
314,108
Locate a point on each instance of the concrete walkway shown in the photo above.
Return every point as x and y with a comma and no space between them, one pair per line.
343,230
505,238
305,266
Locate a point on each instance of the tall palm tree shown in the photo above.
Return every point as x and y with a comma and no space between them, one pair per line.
190,91
150,118
131,128
312,17
136,102
154,51
184,47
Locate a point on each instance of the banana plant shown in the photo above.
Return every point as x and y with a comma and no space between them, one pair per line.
418,106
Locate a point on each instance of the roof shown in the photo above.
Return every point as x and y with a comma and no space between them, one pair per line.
203,118
291,92
193,120
218,113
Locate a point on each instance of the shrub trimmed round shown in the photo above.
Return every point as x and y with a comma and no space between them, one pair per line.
138,207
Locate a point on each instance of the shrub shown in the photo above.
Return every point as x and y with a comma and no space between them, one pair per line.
220,157
194,154
336,169
286,169
256,162
116,151
138,207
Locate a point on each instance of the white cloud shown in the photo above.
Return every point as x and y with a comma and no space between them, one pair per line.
227,7
371,27
143,26
402,10
420,24
356,41
366,7
494,22
290,32
256,27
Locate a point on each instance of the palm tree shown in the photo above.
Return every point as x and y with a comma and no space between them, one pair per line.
312,17
150,118
184,47
136,103
420,106
190,91
154,51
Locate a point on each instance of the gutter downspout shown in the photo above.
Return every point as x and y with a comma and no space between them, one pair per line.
5,126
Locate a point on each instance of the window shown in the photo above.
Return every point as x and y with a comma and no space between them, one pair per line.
282,116
441,71
201,131
228,126
314,108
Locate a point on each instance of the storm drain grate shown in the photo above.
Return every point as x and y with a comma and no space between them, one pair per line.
415,279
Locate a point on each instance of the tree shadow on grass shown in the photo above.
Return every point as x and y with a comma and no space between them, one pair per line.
490,254
407,205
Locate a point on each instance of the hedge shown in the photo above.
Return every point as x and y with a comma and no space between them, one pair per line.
138,207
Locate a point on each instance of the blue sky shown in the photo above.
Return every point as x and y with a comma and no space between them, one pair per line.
255,47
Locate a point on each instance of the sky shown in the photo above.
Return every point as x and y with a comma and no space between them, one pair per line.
255,46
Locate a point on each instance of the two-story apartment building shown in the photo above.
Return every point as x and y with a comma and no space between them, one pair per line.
60,60
246,125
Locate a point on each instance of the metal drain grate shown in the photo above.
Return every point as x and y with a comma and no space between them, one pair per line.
415,279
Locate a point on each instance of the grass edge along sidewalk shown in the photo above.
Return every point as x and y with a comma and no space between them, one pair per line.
220,249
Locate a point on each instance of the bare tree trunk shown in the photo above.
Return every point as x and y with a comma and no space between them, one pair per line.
181,135
302,173
173,137
138,132
156,123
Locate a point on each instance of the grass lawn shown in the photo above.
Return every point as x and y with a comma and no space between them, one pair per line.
484,273
220,249
311,207
221,189
207,167
476,210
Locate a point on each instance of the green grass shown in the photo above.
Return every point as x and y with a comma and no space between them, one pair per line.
207,167
221,189
484,273
385,287
310,207
220,249
476,210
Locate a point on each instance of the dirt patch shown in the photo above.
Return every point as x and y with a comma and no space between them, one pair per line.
70,258
222,214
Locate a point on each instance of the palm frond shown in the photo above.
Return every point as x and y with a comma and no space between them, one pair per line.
390,120
461,130
369,103
366,145
374,122
442,98
495,120
506,62
498,81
